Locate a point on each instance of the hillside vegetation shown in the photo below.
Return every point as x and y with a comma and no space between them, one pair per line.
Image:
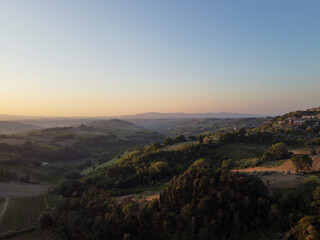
216,185
46,155
9,127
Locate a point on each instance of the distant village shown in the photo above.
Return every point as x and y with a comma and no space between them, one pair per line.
309,118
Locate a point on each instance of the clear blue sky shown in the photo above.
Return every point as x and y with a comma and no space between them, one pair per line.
94,58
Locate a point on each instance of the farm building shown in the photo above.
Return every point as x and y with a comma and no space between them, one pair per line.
314,109
308,117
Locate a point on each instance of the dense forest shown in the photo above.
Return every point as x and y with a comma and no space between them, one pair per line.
199,197
202,203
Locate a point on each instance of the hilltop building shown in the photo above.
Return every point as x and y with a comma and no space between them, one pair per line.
314,109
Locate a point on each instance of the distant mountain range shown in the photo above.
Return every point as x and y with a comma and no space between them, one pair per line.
181,115
11,124
10,127
149,115
114,124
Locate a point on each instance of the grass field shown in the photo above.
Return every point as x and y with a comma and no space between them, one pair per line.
106,164
5,157
238,151
13,189
49,173
12,140
177,146
23,213
275,163
275,181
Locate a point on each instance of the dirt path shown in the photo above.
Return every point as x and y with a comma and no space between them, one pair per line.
37,234
286,166
4,207
142,198
316,163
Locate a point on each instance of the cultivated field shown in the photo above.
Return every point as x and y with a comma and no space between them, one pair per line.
50,173
3,206
12,140
11,189
286,166
23,213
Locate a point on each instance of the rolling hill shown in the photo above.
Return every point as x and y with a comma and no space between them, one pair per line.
7,127
48,122
174,127
114,124
181,115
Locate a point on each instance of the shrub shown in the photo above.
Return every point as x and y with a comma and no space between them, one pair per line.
45,219
302,162
276,152
313,151
307,228
317,140
180,138
168,141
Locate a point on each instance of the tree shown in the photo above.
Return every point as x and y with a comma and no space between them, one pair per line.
308,228
207,140
155,146
168,141
242,134
180,138
127,236
276,152
157,167
317,140
218,202
186,212
316,199
130,209
302,162
192,138
227,164
227,137
45,219
313,151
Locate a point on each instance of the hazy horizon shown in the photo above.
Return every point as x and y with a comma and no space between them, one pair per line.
111,58
122,115
131,114
144,113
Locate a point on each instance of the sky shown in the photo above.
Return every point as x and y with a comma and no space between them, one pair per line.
108,58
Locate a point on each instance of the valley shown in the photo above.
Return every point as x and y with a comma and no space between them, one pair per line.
127,171
159,120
